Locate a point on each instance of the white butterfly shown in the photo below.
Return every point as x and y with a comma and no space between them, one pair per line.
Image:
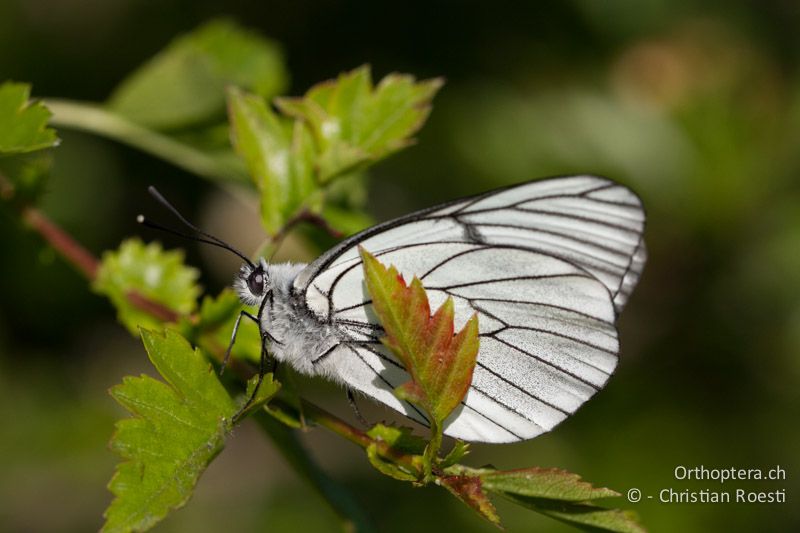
547,265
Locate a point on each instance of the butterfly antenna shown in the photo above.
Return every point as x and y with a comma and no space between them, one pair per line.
204,237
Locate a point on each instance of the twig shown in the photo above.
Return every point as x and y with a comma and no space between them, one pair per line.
316,414
151,307
99,121
63,243
88,265
304,216
76,254
313,218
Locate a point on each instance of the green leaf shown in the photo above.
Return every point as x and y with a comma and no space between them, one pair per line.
355,123
213,326
468,489
559,494
439,362
23,124
401,439
279,155
388,467
269,388
550,491
178,428
150,272
584,516
459,451
551,483
185,83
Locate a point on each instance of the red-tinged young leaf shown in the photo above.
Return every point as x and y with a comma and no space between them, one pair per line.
555,493
550,483
469,490
440,363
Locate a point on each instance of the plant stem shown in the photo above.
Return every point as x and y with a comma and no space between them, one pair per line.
151,307
340,500
95,119
283,437
432,450
63,243
312,218
88,265
318,415
75,253
303,216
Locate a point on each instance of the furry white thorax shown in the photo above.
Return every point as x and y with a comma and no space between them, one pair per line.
302,337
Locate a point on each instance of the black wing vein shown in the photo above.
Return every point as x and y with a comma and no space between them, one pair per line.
547,265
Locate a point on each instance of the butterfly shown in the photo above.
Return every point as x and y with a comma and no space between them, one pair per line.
547,265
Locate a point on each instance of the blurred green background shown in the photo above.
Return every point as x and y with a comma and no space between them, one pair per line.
695,105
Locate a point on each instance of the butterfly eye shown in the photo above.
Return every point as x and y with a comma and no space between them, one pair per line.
255,282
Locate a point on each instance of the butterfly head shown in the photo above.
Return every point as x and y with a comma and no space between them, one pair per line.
252,282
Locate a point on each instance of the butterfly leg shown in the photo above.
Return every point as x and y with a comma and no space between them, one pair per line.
233,338
351,398
267,364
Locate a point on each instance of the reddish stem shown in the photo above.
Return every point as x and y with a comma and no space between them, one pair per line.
72,251
319,221
335,424
152,308
306,216
88,265
340,427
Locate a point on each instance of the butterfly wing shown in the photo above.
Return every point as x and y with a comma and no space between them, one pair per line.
547,265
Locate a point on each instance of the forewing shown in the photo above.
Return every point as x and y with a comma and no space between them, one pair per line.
589,221
545,294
